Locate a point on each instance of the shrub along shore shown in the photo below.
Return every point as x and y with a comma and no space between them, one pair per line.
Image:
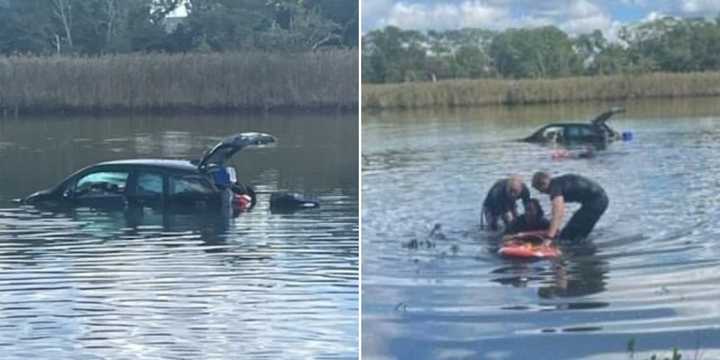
205,82
485,92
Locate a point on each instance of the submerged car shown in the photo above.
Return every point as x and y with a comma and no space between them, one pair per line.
205,184
595,132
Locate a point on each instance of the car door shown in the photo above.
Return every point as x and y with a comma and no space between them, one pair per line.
147,189
100,188
192,192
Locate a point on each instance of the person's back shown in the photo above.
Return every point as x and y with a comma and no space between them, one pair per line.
575,188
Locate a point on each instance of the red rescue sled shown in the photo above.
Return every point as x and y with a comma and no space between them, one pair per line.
528,245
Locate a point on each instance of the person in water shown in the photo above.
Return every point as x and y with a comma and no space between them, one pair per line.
572,188
500,202
588,152
532,220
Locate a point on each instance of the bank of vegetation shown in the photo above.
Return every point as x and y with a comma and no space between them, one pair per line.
237,81
459,93
667,57
132,55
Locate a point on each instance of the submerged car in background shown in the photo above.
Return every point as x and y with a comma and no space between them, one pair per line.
595,132
206,184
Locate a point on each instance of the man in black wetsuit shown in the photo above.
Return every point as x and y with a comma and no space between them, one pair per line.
572,188
500,202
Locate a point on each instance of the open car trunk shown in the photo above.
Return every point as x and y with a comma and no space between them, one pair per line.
229,146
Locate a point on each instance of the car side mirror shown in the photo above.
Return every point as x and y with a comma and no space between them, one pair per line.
68,193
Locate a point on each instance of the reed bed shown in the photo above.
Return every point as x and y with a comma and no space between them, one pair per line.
457,93
167,82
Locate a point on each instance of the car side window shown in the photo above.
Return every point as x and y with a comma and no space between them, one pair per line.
150,184
578,132
189,185
586,132
573,132
102,183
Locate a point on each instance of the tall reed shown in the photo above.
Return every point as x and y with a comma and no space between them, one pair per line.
451,93
212,81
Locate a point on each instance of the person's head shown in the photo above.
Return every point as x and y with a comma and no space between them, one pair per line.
515,186
541,182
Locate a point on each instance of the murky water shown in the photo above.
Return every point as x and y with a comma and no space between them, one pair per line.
88,285
645,282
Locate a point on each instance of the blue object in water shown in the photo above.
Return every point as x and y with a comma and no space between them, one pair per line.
627,135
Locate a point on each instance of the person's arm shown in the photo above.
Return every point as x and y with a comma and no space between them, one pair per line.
558,212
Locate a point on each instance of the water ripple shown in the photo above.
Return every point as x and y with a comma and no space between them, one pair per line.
89,283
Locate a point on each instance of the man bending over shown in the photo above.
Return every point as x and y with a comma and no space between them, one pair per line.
572,188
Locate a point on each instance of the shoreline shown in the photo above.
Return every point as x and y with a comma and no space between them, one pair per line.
494,92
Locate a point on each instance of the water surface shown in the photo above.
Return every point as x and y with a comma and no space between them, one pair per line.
87,284
647,277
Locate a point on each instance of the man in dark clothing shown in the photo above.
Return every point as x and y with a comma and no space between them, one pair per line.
572,188
500,202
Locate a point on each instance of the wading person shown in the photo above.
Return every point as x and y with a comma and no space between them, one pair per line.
500,202
572,188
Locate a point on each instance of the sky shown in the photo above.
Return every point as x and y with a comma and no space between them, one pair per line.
572,16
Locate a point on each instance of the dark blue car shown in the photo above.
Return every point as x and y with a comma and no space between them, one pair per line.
206,184
596,131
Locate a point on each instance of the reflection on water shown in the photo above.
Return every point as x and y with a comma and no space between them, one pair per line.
148,284
649,271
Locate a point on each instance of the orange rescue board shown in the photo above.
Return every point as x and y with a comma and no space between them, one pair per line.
528,245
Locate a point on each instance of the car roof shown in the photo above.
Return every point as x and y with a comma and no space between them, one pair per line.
171,164
567,124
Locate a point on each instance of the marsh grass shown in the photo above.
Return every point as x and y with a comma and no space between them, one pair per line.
170,82
457,93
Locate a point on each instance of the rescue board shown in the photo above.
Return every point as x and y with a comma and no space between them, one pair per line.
528,246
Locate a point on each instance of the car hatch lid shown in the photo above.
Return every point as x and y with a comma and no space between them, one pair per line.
602,118
230,145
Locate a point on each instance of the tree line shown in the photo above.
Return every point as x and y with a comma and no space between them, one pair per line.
96,27
392,55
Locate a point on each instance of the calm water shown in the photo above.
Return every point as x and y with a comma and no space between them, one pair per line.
91,285
649,272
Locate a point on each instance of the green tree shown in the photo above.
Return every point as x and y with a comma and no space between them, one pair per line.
394,55
25,27
227,24
535,53
344,13
297,27
471,62
82,26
